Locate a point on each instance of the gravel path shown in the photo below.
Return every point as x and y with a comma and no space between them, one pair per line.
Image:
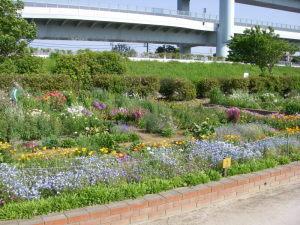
280,206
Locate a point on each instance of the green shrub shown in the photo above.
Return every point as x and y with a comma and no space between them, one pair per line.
37,82
177,89
90,63
8,67
142,86
29,64
292,107
282,85
205,86
229,85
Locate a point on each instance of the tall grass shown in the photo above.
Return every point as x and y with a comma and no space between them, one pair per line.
196,71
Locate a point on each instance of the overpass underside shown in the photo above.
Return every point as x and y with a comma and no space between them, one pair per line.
286,5
61,29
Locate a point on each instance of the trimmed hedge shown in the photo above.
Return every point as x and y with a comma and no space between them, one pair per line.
143,86
281,84
177,89
37,82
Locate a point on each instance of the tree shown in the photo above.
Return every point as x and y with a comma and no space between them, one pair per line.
261,47
15,32
124,50
166,49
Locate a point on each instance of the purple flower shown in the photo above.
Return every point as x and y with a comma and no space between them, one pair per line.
233,114
138,114
119,111
87,112
99,105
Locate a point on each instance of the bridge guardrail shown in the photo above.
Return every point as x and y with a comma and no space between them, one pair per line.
92,5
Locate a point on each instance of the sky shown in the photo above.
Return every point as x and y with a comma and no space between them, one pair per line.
212,7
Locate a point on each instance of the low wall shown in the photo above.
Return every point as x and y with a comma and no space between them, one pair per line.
173,202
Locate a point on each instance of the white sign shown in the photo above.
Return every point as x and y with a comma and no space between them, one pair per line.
246,75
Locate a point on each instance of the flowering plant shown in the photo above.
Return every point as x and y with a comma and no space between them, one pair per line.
99,105
123,114
233,114
79,111
55,99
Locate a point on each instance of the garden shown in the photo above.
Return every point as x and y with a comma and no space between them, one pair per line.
93,128
93,136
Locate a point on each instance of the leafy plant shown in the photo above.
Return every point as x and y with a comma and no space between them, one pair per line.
259,47
15,32
203,131
177,89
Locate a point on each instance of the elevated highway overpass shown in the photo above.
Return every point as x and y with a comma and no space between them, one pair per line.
60,21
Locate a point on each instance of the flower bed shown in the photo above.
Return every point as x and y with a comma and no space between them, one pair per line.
62,150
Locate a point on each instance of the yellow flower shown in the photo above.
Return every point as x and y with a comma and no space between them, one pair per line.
114,153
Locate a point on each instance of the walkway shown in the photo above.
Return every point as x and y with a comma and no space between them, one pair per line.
279,206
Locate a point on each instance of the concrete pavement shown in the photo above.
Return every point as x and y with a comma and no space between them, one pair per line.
280,206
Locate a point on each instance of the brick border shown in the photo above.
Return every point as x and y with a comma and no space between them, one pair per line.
173,202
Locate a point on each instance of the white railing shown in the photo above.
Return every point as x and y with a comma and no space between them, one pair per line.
95,5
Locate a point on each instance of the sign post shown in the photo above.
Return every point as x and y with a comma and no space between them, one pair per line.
226,165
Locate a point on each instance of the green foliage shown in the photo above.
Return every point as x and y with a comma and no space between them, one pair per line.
203,131
84,66
199,71
7,67
282,85
205,86
143,86
159,123
15,32
259,47
90,63
177,89
292,107
124,50
167,49
216,96
28,64
229,85
36,82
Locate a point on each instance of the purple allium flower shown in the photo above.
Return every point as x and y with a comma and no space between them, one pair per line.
138,114
99,105
233,114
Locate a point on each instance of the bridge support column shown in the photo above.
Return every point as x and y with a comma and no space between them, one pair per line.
183,5
226,26
185,49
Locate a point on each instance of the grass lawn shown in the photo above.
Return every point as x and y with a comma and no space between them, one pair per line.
196,71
